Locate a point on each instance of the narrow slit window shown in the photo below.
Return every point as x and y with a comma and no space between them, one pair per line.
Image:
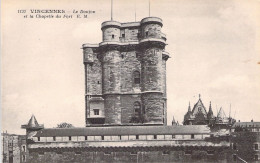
256,147
23,158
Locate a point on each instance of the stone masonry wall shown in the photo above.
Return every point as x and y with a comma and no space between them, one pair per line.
127,104
129,64
93,74
153,105
154,31
131,34
131,155
112,109
108,32
245,145
111,72
152,74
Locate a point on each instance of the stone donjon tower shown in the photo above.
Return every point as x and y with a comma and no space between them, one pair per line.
125,75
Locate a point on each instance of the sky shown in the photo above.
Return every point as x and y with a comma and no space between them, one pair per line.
214,48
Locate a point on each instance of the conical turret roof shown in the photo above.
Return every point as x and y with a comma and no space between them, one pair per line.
210,113
189,109
188,114
33,122
221,114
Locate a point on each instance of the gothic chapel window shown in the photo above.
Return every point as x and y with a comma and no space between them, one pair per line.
137,108
136,77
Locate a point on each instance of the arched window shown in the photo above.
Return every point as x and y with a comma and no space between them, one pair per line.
136,77
137,108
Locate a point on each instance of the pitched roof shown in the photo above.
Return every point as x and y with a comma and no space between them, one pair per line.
210,112
124,130
202,106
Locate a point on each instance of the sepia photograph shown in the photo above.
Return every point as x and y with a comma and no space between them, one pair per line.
130,81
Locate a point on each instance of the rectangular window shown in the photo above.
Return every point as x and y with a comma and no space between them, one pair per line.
54,138
173,136
137,137
39,138
123,35
77,152
256,146
155,137
86,137
107,153
166,152
96,111
188,152
119,136
256,157
192,136
69,138
102,137
210,152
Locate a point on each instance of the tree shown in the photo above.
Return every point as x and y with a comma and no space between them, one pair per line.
64,125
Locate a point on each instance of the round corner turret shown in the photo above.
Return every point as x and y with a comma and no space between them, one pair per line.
32,125
111,31
151,27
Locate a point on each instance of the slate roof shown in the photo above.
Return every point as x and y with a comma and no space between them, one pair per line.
124,130
246,124
32,123
199,102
